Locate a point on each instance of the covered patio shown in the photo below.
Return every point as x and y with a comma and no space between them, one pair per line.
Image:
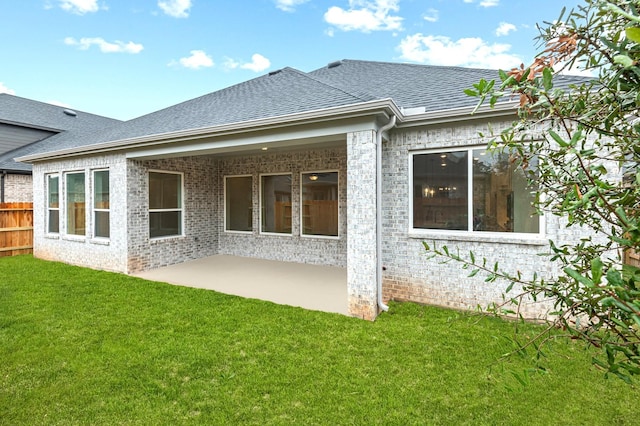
314,287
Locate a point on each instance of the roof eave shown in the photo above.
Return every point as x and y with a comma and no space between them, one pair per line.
454,115
387,106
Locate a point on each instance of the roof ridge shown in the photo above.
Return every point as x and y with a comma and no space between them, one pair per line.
358,95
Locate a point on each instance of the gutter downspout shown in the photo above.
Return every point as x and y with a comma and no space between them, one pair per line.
2,177
390,124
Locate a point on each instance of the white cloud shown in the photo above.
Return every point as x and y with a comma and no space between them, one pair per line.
175,8
431,15
5,89
365,16
258,63
485,3
104,46
504,29
198,59
289,5
468,52
79,7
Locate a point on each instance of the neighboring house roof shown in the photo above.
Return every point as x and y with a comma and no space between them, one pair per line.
419,88
34,123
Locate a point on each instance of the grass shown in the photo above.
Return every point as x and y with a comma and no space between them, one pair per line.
79,346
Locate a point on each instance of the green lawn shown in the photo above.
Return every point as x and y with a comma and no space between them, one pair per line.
79,346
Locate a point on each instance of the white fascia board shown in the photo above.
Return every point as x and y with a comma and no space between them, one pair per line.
453,115
386,106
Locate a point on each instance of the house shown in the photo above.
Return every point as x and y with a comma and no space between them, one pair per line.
25,123
354,164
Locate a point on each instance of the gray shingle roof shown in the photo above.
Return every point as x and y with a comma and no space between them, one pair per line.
290,91
30,113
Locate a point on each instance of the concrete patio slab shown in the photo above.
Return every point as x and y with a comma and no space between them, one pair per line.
315,287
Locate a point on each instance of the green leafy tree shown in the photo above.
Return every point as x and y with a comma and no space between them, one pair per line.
586,172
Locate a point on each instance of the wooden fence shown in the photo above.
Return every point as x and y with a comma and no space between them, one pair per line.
16,228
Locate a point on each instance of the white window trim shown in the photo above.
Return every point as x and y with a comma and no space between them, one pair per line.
488,236
282,234
324,237
224,202
65,220
48,209
93,205
181,209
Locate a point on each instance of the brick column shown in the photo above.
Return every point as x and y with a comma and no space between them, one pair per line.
361,225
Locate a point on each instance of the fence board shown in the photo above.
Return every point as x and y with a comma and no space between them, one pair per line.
16,229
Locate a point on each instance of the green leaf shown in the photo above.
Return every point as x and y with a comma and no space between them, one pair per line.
596,270
547,79
556,137
471,92
633,34
623,60
578,277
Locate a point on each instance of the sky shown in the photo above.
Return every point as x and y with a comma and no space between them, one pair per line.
126,58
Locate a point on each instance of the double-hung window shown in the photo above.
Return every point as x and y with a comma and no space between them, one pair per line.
76,206
472,190
165,204
53,204
101,203
275,204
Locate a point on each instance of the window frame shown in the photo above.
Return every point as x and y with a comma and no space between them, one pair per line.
93,203
469,233
225,207
48,203
66,204
301,208
180,209
261,205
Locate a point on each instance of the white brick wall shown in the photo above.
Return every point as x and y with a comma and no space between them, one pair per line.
83,250
18,188
409,274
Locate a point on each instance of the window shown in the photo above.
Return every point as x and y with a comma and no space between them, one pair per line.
472,190
320,204
75,204
53,204
165,204
101,203
275,204
238,203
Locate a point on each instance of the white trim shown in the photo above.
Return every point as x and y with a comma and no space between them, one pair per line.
468,235
328,237
95,237
47,201
180,209
224,203
66,234
260,231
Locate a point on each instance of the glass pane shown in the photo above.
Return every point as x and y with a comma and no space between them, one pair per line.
101,224
101,189
276,204
163,224
320,204
54,221
440,190
54,192
165,191
502,198
75,204
239,203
